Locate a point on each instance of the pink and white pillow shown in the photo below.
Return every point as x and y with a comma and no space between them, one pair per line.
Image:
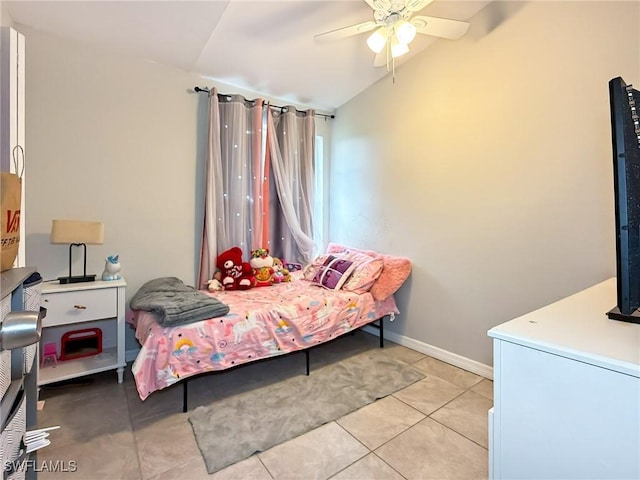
367,271
329,271
394,273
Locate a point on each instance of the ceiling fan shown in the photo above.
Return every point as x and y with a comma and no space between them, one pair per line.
395,27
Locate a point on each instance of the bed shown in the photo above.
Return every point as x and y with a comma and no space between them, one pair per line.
262,323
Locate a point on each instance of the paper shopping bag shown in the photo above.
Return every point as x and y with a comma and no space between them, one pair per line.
11,192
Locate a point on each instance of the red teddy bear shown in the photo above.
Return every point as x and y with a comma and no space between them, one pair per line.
236,274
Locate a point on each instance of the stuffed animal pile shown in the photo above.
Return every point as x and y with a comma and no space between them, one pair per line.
262,270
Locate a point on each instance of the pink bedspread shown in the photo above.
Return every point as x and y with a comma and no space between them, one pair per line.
263,322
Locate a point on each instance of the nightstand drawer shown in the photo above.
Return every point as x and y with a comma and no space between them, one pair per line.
64,308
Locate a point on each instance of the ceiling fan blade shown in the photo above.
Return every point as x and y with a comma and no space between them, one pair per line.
416,5
440,27
345,32
381,5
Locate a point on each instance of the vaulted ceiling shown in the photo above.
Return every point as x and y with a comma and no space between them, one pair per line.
262,46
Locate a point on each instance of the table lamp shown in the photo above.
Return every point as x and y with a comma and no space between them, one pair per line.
77,233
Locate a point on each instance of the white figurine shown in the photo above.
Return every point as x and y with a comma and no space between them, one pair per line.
111,268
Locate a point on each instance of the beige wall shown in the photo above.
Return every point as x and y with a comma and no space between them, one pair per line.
5,18
488,163
120,140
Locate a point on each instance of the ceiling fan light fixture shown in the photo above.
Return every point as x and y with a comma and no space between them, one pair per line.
398,49
378,39
405,32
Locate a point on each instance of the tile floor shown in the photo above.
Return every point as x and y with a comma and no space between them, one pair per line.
433,429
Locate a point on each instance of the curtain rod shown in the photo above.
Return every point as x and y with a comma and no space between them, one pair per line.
206,90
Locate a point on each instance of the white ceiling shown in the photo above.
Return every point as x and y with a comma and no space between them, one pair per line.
262,46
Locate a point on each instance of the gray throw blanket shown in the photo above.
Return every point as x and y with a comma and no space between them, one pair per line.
175,303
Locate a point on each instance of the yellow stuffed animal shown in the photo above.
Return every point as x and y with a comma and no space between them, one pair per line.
281,274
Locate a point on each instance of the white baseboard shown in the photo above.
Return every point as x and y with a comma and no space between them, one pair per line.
436,352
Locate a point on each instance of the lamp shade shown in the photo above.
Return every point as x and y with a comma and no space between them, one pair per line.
405,32
77,231
378,39
398,49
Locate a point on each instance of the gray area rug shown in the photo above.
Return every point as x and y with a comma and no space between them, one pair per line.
234,428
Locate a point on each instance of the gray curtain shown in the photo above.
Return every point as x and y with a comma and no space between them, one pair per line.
259,184
234,211
291,144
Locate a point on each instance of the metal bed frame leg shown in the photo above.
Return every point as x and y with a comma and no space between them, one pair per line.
184,395
380,327
306,355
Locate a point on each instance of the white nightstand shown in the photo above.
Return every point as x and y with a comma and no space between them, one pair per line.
83,306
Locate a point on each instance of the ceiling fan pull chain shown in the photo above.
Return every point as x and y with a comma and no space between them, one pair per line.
391,60
393,70
388,50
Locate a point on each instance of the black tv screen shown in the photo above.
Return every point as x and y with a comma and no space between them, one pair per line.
625,136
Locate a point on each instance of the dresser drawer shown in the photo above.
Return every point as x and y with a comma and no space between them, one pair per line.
64,308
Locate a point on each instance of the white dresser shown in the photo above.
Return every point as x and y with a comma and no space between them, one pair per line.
566,392
84,307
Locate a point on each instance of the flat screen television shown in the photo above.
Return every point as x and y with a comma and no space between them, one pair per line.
625,136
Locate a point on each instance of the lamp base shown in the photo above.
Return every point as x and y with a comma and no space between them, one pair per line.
77,279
